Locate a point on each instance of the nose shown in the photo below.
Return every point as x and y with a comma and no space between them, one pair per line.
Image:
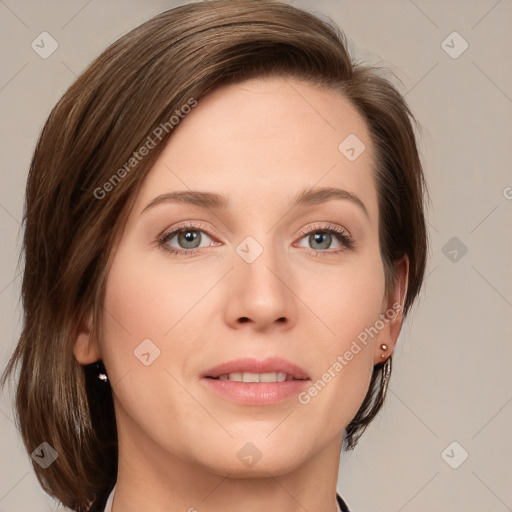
261,291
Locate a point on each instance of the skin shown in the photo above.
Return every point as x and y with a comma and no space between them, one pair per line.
259,143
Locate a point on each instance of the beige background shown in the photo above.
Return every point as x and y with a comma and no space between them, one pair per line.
452,378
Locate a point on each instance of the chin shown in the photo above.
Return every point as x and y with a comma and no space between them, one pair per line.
253,459
273,464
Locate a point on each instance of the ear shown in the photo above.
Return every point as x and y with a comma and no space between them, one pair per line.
85,349
392,310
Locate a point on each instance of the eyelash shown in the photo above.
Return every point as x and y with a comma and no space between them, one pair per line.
340,234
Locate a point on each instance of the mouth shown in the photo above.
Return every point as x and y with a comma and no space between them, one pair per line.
272,369
250,381
256,377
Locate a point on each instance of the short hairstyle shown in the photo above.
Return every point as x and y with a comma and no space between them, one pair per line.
72,227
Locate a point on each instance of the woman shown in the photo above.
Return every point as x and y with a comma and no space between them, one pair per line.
224,232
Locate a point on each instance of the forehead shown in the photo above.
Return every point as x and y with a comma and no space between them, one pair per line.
262,141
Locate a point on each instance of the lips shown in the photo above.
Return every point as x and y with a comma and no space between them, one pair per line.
253,382
273,369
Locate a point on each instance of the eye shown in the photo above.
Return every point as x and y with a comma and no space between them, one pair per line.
188,238
322,237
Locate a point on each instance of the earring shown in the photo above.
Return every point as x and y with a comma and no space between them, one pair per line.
385,376
383,347
101,371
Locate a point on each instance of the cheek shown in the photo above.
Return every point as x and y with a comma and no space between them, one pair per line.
135,310
140,305
348,301
146,300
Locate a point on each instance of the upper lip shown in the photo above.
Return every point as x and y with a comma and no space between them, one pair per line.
247,364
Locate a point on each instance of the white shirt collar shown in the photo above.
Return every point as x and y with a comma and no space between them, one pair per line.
108,506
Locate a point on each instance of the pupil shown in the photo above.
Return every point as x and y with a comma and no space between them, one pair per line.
189,237
322,237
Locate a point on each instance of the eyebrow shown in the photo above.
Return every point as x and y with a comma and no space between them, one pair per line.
214,201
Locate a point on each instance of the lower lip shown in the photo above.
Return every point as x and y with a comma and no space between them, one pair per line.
256,393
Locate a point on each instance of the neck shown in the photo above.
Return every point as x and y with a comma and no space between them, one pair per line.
149,478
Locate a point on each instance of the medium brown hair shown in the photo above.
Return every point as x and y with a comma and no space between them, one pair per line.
70,236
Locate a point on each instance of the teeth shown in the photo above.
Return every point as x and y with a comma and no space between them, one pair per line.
250,377
268,377
256,377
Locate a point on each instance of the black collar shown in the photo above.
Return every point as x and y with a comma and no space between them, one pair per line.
342,504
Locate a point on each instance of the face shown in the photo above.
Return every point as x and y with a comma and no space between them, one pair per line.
258,288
